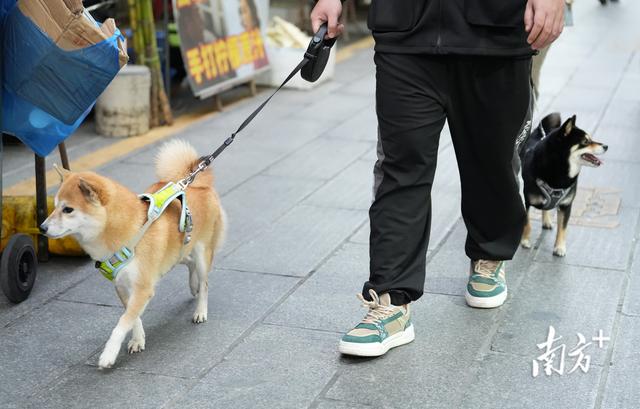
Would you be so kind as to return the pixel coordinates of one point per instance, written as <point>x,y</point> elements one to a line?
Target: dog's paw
<point>547,226</point>
<point>560,251</point>
<point>135,346</point>
<point>106,360</point>
<point>525,243</point>
<point>199,317</point>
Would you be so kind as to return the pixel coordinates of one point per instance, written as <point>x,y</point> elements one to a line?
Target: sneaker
<point>487,286</point>
<point>384,327</point>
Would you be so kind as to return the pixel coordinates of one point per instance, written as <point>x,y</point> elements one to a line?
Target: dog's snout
<point>605,147</point>
<point>43,228</point>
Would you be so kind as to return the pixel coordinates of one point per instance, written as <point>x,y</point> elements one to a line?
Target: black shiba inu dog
<point>551,161</point>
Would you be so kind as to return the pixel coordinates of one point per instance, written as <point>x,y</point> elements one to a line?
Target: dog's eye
<point>67,209</point>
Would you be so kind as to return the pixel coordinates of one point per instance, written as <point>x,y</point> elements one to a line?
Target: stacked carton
<point>56,61</point>
<point>69,26</point>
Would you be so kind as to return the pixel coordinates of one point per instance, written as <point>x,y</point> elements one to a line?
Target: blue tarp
<point>47,92</point>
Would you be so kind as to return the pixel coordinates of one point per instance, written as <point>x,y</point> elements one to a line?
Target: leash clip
<point>185,182</point>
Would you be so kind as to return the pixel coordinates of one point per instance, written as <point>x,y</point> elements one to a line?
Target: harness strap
<point>158,203</point>
<point>552,196</point>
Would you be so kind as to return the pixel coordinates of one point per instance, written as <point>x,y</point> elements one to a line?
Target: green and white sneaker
<point>487,286</point>
<point>384,327</point>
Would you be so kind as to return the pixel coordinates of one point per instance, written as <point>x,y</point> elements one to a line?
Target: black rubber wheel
<point>18,268</point>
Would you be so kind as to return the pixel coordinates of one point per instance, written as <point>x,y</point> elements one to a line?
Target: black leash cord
<point>207,161</point>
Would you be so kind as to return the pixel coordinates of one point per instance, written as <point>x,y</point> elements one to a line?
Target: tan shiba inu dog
<point>104,216</point>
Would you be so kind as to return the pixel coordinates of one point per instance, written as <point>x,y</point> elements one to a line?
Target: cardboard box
<point>67,24</point>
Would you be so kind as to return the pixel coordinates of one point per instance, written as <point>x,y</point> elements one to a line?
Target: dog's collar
<point>158,203</point>
<point>552,196</point>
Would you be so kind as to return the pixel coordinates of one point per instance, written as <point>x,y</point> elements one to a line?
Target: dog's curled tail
<point>176,159</point>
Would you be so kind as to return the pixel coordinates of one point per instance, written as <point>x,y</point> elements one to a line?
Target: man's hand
<point>543,20</point>
<point>328,11</point>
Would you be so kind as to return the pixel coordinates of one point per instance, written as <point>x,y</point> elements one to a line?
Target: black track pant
<point>486,101</point>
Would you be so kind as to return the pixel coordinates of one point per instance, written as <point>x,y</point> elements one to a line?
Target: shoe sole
<point>378,348</point>
<point>485,302</point>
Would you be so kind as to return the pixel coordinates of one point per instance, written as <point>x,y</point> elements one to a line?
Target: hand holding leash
<point>327,12</point>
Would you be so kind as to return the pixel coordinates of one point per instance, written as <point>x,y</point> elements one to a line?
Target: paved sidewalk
<point>296,186</point>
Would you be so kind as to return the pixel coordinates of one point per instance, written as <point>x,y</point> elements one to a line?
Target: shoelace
<point>377,312</point>
<point>485,268</point>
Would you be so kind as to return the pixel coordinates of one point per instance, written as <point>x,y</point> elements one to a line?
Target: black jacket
<point>461,27</point>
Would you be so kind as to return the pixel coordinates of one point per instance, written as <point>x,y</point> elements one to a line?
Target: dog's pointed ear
<point>62,172</point>
<point>89,191</point>
<point>568,125</point>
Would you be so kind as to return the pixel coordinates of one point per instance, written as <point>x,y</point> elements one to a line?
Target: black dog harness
<point>552,196</point>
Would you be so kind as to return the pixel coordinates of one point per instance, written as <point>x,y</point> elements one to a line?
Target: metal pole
<point>64,158</point>
<point>41,207</point>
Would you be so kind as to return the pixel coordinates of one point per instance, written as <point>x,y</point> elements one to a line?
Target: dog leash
<point>311,67</point>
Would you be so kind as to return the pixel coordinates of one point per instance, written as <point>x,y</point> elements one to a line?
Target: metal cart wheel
<point>18,268</point>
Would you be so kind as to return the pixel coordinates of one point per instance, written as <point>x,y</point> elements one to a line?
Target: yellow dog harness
<point>158,203</point>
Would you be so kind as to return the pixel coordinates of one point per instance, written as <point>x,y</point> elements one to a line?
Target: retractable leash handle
<point>318,53</point>
<point>311,67</point>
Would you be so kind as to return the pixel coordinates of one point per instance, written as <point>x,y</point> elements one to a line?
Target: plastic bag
<point>48,91</point>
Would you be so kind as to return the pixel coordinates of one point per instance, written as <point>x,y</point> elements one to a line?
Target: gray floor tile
<point>232,169</point>
<point>351,189</point>
<point>137,177</point>
<point>274,367</point>
<point>440,320</point>
<point>581,99</point>
<point>84,386</point>
<point>335,109</point>
<point>361,126</point>
<point>629,86</point>
<point>632,298</point>
<point>362,235</point>
<point>622,147</point>
<point>297,242</point>
<point>256,204</point>
<point>621,176</point>
<point>408,377</point>
<point>53,277</point>
<point>42,346</point>
<point>594,247</point>
<point>334,285</point>
<point>95,289</point>
<point>320,159</point>
<point>622,390</point>
<point>177,347</point>
<point>571,299</point>
<point>337,404</point>
<point>626,339</point>
<point>622,113</point>
<point>505,381</point>
<point>365,86</point>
